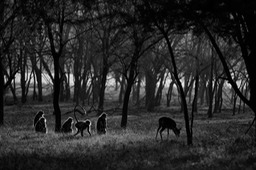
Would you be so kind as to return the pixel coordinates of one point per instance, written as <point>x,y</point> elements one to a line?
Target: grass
<point>219,143</point>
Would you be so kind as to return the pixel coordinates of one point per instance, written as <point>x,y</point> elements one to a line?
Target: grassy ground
<point>219,143</point>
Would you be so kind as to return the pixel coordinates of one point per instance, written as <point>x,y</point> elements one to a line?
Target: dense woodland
<point>199,52</point>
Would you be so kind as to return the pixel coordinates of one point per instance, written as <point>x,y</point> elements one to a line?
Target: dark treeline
<point>198,47</point>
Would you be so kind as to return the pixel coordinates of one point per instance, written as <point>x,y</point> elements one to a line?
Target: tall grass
<point>218,144</point>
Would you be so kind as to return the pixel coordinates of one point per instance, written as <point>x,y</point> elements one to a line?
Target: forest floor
<point>218,143</point>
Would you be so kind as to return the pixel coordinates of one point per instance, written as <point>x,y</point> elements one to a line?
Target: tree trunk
<point>246,95</point>
<point>2,11</point>
<point>117,79</point>
<point>126,103</point>
<point>56,87</point>
<point>121,90</point>
<point>210,90</point>
<point>23,76</point>
<point>37,77</point>
<point>194,103</point>
<point>77,81</point>
<point>67,86</point>
<point>190,93</point>
<point>39,82</point>
<point>86,90</point>
<point>96,88</point>
<point>13,90</point>
<point>169,94</point>
<point>182,94</point>
<point>34,86</point>
<point>202,89</point>
<point>1,94</point>
<point>103,86</point>
<point>234,104</point>
<point>130,82</point>
<point>134,93</point>
<point>158,97</point>
<point>62,74</point>
<point>150,90</point>
<point>218,97</point>
<point>56,80</point>
<point>138,91</point>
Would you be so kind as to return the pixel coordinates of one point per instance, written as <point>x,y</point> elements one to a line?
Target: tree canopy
<point>153,41</point>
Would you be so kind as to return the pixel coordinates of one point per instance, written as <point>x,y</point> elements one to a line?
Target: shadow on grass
<point>215,147</point>
<point>106,152</point>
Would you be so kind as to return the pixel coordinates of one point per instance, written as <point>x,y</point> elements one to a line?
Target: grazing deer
<point>166,122</point>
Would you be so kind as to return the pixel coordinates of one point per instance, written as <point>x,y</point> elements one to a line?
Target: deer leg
<point>161,132</point>
<point>157,131</point>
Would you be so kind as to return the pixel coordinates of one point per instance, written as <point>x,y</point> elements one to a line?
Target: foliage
<point>98,41</point>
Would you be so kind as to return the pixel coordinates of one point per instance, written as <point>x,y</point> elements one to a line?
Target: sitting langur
<point>67,125</point>
<point>41,125</point>
<point>102,124</point>
<point>39,114</point>
<point>82,125</point>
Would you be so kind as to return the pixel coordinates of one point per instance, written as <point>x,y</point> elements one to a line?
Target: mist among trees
<point>119,56</point>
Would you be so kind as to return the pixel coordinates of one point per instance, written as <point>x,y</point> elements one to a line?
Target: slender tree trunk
<point>246,95</point>
<point>158,97</point>
<point>85,90</point>
<point>39,82</point>
<point>182,94</point>
<point>190,93</point>
<point>210,99</point>
<point>218,97</point>
<point>34,86</point>
<point>117,79</point>
<point>103,86</point>
<point>37,77</point>
<point>126,104</point>
<point>202,89</point>
<point>169,94</point>
<point>56,87</point>
<point>67,86</point>
<point>1,94</point>
<point>23,76</point>
<point>234,104</point>
<point>130,82</point>
<point>138,91</point>
<point>77,81</point>
<point>122,86</point>
<point>2,11</point>
<point>13,90</point>
<point>150,90</point>
<point>62,74</point>
<point>134,92</point>
<point>194,103</point>
<point>210,91</point>
<point>56,80</point>
<point>96,88</point>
